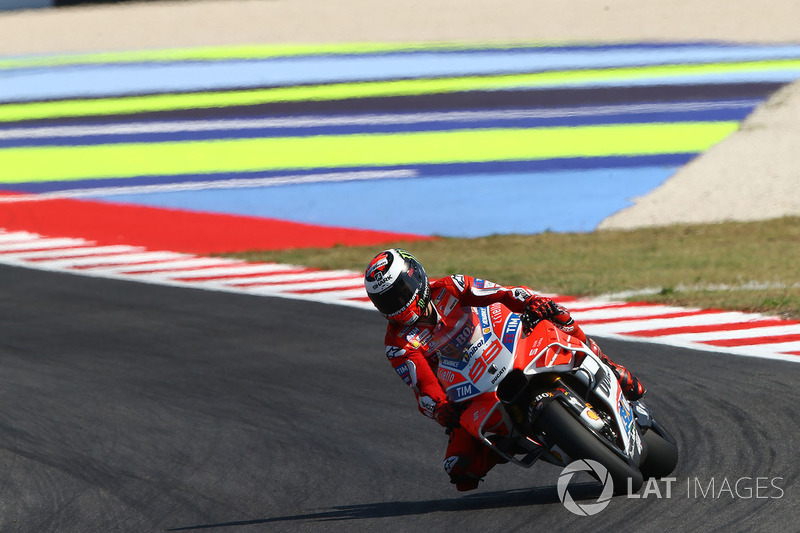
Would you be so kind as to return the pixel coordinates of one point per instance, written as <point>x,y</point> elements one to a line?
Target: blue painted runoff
<point>453,206</point>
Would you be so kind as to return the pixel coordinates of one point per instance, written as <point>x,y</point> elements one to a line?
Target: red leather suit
<point>415,351</point>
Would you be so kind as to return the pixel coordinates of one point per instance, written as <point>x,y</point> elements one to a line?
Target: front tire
<point>561,428</point>
<point>662,455</point>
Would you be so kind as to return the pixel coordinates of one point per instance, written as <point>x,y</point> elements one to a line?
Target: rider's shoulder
<point>459,282</point>
<point>404,340</point>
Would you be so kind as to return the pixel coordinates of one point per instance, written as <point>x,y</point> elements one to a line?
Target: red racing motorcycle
<point>541,394</point>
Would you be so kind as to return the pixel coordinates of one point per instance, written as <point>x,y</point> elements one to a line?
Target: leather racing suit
<point>416,351</point>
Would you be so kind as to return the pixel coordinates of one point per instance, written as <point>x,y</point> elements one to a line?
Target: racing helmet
<point>398,286</point>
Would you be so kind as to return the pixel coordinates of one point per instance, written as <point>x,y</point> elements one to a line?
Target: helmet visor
<point>398,297</point>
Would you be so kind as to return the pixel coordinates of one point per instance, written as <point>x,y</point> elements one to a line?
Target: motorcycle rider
<point>426,319</point>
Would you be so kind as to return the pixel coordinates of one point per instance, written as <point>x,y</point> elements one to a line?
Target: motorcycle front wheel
<point>562,428</point>
<point>661,453</point>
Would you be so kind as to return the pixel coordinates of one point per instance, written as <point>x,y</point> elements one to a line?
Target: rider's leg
<point>467,460</point>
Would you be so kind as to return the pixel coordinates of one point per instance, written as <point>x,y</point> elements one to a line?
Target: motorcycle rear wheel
<point>578,442</point>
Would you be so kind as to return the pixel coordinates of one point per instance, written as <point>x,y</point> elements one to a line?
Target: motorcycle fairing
<point>497,346</point>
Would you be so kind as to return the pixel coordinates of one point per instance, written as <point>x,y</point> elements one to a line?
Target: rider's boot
<point>632,389</point>
<point>460,475</point>
<point>466,472</point>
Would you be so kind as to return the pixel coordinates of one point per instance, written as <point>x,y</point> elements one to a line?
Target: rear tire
<point>561,428</point>
<point>662,455</point>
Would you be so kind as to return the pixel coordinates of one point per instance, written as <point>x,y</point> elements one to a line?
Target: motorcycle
<point>541,394</point>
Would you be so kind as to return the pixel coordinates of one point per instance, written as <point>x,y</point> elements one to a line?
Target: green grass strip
<point>339,91</point>
<point>742,266</point>
<point>333,151</point>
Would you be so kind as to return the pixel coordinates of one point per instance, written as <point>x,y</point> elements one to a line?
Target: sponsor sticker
<point>403,372</point>
<point>510,331</point>
<point>625,413</point>
<point>393,352</point>
<point>459,392</point>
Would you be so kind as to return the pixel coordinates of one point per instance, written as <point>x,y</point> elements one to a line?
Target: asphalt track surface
<point>131,407</point>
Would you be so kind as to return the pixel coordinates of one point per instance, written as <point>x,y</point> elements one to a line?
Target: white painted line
<point>18,236</point>
<point>777,331</point>
<point>701,319</point>
<point>626,312</point>
<point>62,253</point>
<point>122,259</point>
<point>780,347</point>
<point>181,263</point>
<point>277,279</point>
<point>178,126</point>
<point>756,351</point>
<point>297,288</point>
<point>237,183</point>
<point>334,297</point>
<point>230,269</point>
<point>35,244</point>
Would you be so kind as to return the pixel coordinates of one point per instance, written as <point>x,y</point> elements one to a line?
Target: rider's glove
<point>561,317</point>
<point>448,414</point>
<point>537,308</point>
<point>540,307</point>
